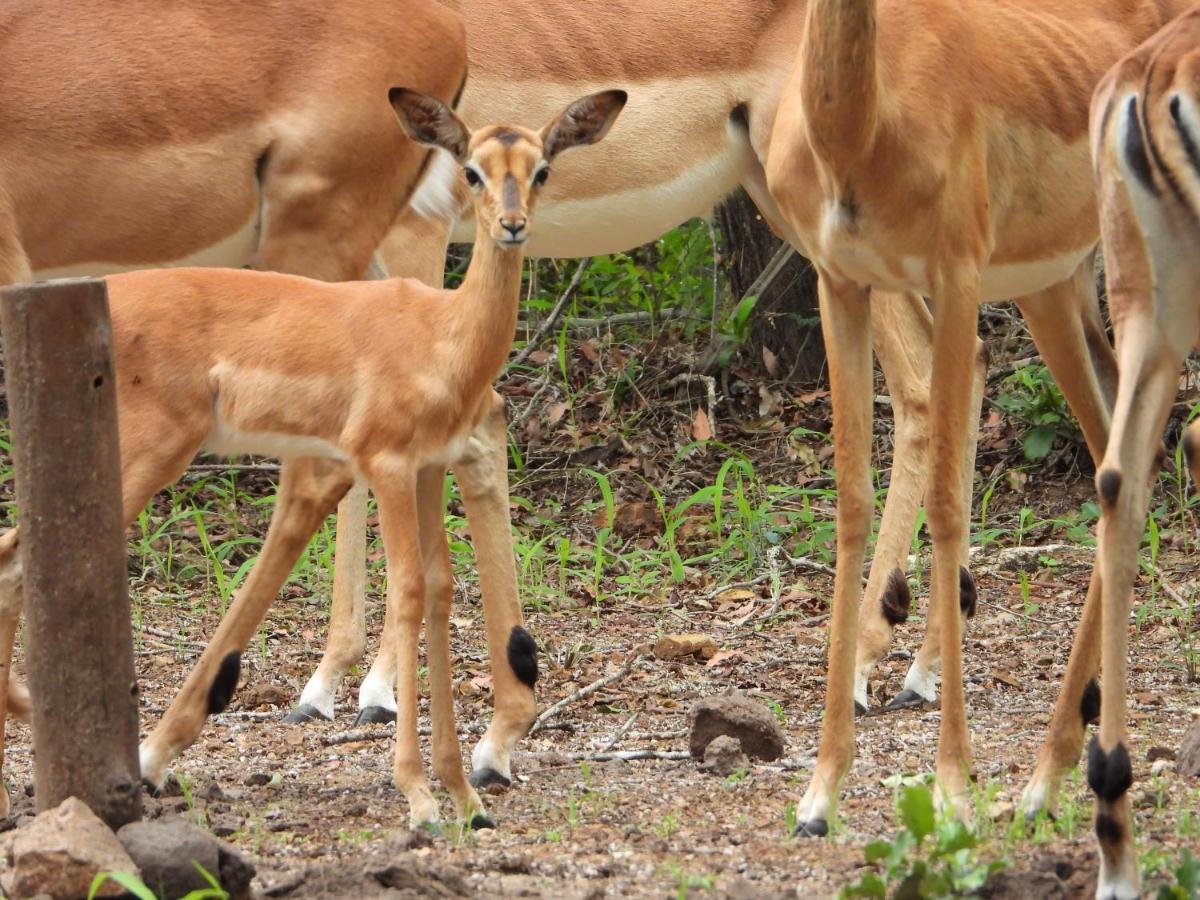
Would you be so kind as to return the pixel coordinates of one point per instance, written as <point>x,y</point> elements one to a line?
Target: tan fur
<point>134,133</point>
<point>928,145</point>
<point>386,380</point>
<point>1145,123</point>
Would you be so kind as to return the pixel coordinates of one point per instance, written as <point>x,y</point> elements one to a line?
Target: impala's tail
<point>840,82</point>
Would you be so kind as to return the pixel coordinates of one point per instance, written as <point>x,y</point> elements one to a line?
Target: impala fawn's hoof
<point>305,712</point>
<point>488,777</point>
<point>859,709</point>
<point>375,715</point>
<point>480,822</point>
<point>812,828</point>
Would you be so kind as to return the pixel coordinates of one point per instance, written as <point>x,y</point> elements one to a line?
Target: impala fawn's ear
<point>583,122</point>
<point>429,121</point>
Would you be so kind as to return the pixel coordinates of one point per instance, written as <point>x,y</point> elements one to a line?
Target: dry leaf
<point>723,656</point>
<point>556,412</point>
<point>701,427</point>
<point>770,362</point>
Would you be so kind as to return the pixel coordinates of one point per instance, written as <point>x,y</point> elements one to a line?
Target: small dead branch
<point>233,467</point>
<point>552,711</point>
<point>176,641</point>
<point>548,324</point>
<point>583,323</point>
<point>710,387</point>
<point>619,733</point>
<point>665,755</point>
<point>765,279</point>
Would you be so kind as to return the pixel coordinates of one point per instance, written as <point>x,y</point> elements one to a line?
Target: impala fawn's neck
<point>840,81</point>
<point>485,314</point>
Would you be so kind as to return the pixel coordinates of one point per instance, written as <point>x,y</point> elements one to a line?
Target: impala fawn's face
<point>506,165</point>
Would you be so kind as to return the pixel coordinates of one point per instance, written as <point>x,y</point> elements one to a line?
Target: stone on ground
<point>723,756</point>
<point>168,852</point>
<point>59,853</point>
<point>738,716</point>
<point>673,646</point>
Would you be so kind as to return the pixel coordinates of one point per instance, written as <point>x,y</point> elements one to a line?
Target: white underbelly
<point>225,440</point>
<point>233,252</point>
<point>1011,280</point>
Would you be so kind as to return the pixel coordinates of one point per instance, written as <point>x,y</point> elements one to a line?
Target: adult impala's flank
<point>1146,147</point>
<point>381,380</point>
<point>940,148</point>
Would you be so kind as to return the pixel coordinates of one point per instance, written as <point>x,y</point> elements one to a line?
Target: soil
<point>314,808</point>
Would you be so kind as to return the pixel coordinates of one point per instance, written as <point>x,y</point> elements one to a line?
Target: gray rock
<point>168,851</point>
<point>723,756</point>
<point>1187,761</point>
<point>236,872</point>
<point>59,853</point>
<point>738,716</point>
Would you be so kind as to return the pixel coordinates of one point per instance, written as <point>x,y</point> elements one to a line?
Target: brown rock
<point>738,716</point>
<point>723,756</point>
<point>1187,762</point>
<point>673,646</point>
<point>168,852</point>
<point>59,853</point>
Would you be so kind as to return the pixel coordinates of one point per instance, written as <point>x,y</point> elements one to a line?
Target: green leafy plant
<point>930,857</point>
<point>1030,395</point>
<point>1187,880</point>
<point>138,888</point>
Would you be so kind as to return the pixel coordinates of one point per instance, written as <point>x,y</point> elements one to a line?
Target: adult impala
<point>941,148</point>
<point>705,80</point>
<point>1146,146</point>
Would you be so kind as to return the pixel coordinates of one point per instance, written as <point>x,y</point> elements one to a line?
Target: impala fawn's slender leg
<point>308,490</point>
<point>395,485</point>
<point>439,594</point>
<point>347,614</point>
<point>955,353</point>
<point>414,248</point>
<point>1066,326</point>
<point>483,479</point>
<point>846,325</point>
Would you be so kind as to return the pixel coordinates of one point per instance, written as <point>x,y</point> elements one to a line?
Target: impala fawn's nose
<point>514,226</point>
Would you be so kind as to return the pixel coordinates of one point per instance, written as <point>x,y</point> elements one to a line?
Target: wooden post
<point>78,642</point>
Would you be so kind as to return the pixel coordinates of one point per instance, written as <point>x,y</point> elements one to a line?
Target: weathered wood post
<point>78,643</point>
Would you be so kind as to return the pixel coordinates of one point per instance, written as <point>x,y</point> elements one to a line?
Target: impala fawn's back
<point>378,379</point>
<point>1146,148</point>
<point>940,147</point>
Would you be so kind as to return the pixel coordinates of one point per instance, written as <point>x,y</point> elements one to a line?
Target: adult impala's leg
<point>482,475</point>
<point>439,593</point>
<point>955,356</point>
<point>1066,326</point>
<point>11,601</point>
<point>846,324</point>
<point>395,485</point>
<point>308,491</point>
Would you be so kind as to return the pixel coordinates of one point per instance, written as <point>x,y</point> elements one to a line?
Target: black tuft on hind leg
<point>897,599</point>
<point>522,656</point>
<point>1089,703</point>
<point>968,596</point>
<point>1110,774</point>
<point>220,692</point>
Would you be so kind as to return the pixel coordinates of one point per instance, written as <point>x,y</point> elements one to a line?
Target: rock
<point>1156,754</point>
<point>236,872</point>
<point>673,646</point>
<point>59,853</point>
<point>168,851</point>
<point>738,716</point>
<point>1187,761</point>
<point>723,756</point>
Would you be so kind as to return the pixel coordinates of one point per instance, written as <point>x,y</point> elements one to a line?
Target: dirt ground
<point>314,808</point>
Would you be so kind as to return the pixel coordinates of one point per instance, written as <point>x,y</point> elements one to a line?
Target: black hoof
<point>859,709</point>
<point>812,828</point>
<point>1032,816</point>
<point>479,822</point>
<point>151,789</point>
<point>906,699</point>
<point>305,712</point>
<point>374,715</point>
<point>483,778</point>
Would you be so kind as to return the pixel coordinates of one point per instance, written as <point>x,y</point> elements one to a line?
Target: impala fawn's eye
<point>542,174</point>
<point>473,178</point>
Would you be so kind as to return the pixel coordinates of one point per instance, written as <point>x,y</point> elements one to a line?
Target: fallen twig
<point>552,711</point>
<point>619,733</point>
<point>710,386</point>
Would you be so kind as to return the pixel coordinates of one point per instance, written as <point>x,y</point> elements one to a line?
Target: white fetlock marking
<point>1117,885</point>
<point>814,805</point>
<point>319,694</point>
<point>374,691</point>
<point>487,756</point>
<point>152,766</point>
<point>861,679</point>
<point>423,810</point>
<point>921,681</point>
